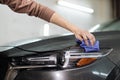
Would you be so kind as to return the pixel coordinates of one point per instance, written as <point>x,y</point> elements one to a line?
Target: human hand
<point>79,33</point>
<point>84,35</point>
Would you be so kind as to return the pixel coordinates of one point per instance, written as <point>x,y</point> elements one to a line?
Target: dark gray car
<point>44,59</point>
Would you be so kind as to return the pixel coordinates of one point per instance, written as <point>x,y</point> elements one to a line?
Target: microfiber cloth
<point>94,48</point>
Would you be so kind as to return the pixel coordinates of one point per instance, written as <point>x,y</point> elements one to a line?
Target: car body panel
<point>100,69</point>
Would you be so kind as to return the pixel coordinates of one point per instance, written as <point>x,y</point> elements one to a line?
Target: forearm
<point>60,21</point>
<point>79,33</point>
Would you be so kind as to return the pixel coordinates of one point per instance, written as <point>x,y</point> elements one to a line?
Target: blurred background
<point>15,26</point>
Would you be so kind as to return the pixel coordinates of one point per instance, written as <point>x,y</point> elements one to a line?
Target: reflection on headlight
<point>99,73</point>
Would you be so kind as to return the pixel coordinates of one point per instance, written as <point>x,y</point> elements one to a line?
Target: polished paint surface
<point>100,69</point>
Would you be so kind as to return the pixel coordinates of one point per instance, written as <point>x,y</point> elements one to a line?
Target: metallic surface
<point>101,69</point>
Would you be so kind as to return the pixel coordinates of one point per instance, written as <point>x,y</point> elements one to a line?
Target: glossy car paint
<point>105,68</point>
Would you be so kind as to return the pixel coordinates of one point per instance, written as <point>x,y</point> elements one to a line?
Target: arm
<point>79,33</point>
<point>32,8</point>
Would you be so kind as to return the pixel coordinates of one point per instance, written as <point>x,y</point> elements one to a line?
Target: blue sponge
<point>94,48</point>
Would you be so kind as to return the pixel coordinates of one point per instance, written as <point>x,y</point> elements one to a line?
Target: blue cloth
<point>94,48</point>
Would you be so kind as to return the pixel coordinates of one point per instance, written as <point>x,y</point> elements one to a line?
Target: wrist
<point>74,28</point>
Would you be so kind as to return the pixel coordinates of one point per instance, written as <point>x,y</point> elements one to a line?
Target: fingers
<point>79,37</point>
<point>85,35</point>
<point>91,38</point>
<point>85,38</point>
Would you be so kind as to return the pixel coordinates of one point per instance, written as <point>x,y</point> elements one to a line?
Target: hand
<point>79,33</point>
<point>84,35</point>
